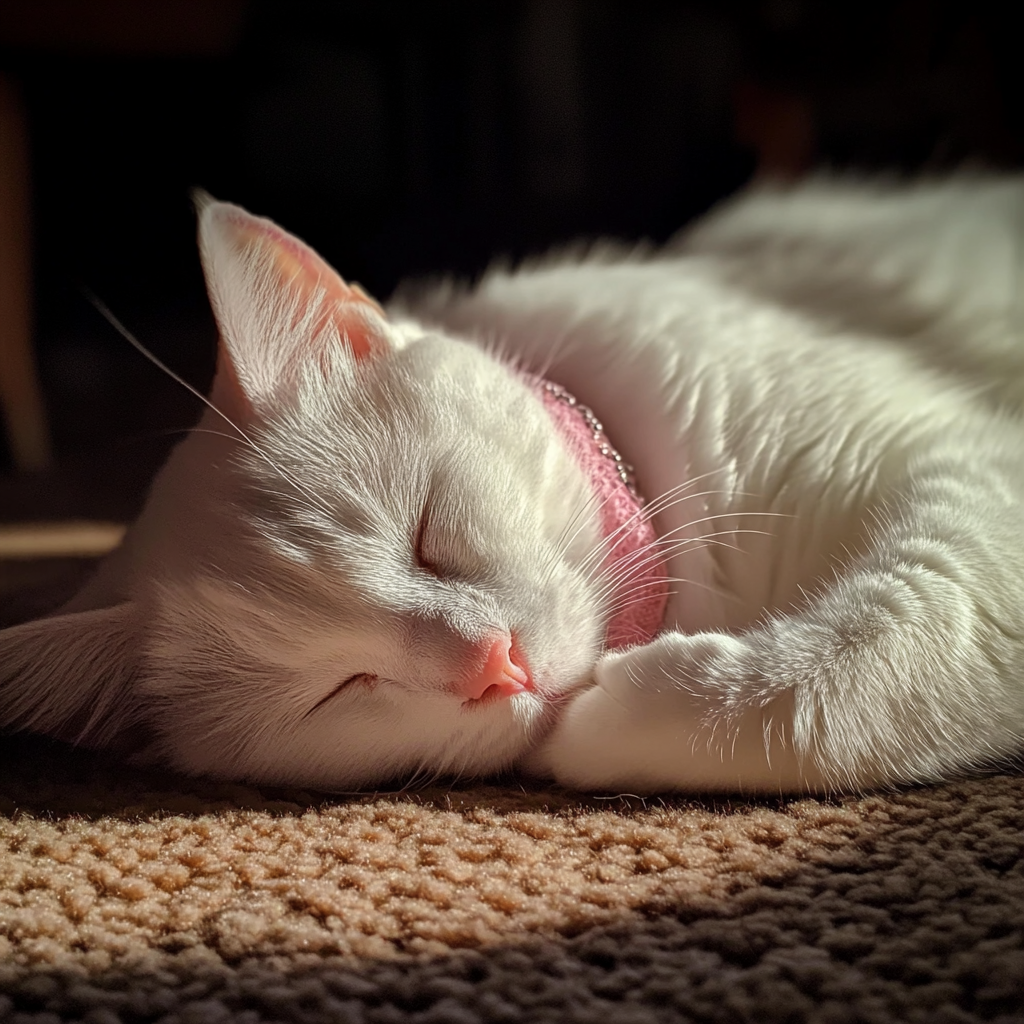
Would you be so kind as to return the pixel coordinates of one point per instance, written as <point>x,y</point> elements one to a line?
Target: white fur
<point>826,385</point>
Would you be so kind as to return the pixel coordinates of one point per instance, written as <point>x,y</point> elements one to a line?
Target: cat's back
<point>935,268</point>
<point>921,284</point>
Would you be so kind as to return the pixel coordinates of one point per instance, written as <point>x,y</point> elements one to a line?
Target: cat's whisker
<point>659,550</point>
<point>295,505</point>
<point>205,430</point>
<point>632,571</point>
<point>586,562</point>
<point>665,550</point>
<point>612,587</point>
<point>556,350</point>
<point>642,589</point>
<point>618,606</point>
<point>667,500</point>
<point>655,505</point>
<point>604,501</point>
<point>561,544</point>
<point>670,499</point>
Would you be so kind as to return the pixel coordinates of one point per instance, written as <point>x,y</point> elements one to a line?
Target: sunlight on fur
<point>386,554</point>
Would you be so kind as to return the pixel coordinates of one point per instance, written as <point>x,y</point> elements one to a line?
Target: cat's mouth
<point>492,695</point>
<point>552,706</point>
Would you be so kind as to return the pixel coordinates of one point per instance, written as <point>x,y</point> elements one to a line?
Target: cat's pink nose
<point>503,673</point>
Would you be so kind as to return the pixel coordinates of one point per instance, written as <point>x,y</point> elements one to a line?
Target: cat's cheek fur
<point>232,677</point>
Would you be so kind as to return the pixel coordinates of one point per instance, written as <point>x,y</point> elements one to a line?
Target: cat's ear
<point>70,676</point>
<point>280,308</point>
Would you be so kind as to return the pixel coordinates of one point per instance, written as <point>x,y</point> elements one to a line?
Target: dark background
<point>402,137</point>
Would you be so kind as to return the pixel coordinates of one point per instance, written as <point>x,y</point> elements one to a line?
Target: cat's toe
<point>677,666</point>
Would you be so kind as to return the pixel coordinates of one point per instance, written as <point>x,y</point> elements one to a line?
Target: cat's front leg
<point>907,666</point>
<point>682,712</point>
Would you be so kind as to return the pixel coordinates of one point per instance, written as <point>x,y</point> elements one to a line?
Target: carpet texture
<point>129,896</point>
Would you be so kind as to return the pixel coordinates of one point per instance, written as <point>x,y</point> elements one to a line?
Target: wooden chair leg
<point>21,400</point>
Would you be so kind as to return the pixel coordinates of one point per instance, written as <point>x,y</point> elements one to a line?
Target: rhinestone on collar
<point>601,442</point>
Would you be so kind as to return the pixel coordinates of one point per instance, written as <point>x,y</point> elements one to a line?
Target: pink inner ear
<point>302,272</point>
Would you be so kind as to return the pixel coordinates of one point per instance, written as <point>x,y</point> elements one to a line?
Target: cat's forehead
<point>433,412</point>
<point>434,390</point>
<point>441,364</point>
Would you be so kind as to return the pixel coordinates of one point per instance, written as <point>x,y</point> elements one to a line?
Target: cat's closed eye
<point>359,678</point>
<point>419,548</point>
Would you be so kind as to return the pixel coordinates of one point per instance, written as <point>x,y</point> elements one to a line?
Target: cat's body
<point>826,386</point>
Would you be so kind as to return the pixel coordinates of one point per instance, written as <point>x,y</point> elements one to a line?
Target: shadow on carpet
<point>129,896</point>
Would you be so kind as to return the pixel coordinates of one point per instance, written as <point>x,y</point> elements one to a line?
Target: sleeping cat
<point>400,545</point>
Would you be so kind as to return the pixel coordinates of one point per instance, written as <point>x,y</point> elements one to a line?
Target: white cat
<point>396,560</point>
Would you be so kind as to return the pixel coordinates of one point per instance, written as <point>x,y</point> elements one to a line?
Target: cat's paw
<point>650,707</point>
<point>676,667</point>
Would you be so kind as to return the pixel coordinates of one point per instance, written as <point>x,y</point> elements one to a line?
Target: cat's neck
<point>633,557</point>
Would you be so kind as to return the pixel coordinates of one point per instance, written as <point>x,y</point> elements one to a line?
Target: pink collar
<point>638,608</point>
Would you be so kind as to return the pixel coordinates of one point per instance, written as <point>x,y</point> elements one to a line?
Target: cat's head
<point>387,564</point>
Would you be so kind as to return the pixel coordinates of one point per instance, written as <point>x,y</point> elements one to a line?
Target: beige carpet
<point>147,897</point>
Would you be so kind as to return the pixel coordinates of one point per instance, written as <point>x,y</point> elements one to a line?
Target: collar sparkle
<point>623,469</point>
<point>633,558</point>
